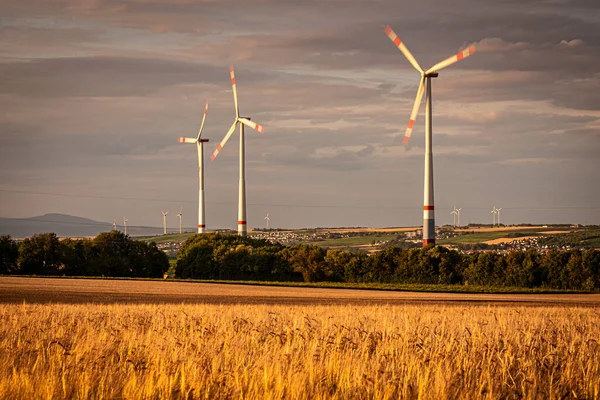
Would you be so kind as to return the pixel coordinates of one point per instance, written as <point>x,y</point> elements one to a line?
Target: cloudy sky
<point>95,93</point>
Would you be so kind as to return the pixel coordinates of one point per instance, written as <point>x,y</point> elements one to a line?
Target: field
<point>355,241</point>
<point>75,338</point>
<point>312,351</point>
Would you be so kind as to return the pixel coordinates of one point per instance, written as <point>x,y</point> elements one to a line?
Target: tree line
<point>108,254</point>
<point>230,257</point>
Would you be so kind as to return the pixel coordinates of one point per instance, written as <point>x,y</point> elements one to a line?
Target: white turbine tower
<point>428,203</point>
<point>125,224</point>
<point>180,215</point>
<point>243,121</point>
<point>267,219</point>
<point>199,144</point>
<point>498,211</point>
<point>494,212</point>
<point>114,224</point>
<point>458,215</point>
<point>455,213</point>
<point>164,222</point>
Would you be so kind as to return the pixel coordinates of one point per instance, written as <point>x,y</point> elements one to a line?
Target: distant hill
<point>65,226</point>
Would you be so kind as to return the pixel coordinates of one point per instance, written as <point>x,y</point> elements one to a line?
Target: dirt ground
<point>62,290</point>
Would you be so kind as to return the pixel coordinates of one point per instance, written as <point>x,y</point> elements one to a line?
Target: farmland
<point>297,351</point>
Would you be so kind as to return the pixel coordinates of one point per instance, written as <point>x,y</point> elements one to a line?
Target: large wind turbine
<point>498,211</point>
<point>458,215</point>
<point>199,144</point>
<point>267,219</point>
<point>426,75</point>
<point>494,212</point>
<point>125,225</point>
<point>243,121</point>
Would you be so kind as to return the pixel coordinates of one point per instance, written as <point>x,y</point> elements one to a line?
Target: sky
<point>95,93</point>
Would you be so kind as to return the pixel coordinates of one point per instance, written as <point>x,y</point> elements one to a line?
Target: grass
<point>353,241</point>
<point>176,237</point>
<point>298,352</point>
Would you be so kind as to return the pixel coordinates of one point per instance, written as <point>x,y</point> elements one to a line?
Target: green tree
<point>9,255</point>
<point>308,260</point>
<point>41,255</point>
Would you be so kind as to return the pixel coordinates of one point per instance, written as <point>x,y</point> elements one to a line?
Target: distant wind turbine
<point>180,215</point>
<point>426,75</point>
<point>494,212</point>
<point>114,224</point>
<point>498,211</point>
<point>164,222</point>
<point>242,121</point>
<point>455,213</point>
<point>125,224</point>
<point>267,219</point>
<point>458,215</point>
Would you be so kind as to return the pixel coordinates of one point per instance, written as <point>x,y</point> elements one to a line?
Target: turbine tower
<point>428,203</point>
<point>164,222</point>
<point>458,215</point>
<point>199,145</point>
<point>267,219</point>
<point>114,224</point>
<point>242,121</point>
<point>180,215</point>
<point>498,211</point>
<point>494,212</point>
<point>455,213</point>
<point>125,224</point>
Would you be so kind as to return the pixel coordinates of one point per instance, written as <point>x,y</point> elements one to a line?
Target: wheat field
<point>298,352</point>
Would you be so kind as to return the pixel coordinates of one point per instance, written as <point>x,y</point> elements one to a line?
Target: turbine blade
<point>225,139</point>
<point>451,60</point>
<point>233,85</point>
<point>187,140</point>
<point>203,118</point>
<point>252,125</point>
<point>394,38</point>
<point>415,112</point>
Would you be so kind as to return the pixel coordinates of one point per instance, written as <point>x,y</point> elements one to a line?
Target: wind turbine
<point>426,75</point>
<point>180,215</point>
<point>199,145</point>
<point>243,121</point>
<point>498,211</point>
<point>164,222</point>
<point>114,224</point>
<point>494,212</point>
<point>125,224</point>
<point>267,219</point>
<point>455,213</point>
<point>458,215</point>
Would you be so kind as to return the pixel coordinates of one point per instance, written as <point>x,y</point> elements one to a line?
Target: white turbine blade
<point>451,60</point>
<point>233,85</point>
<point>187,140</point>
<point>225,139</point>
<point>394,38</point>
<point>415,112</point>
<point>252,124</point>
<point>203,118</point>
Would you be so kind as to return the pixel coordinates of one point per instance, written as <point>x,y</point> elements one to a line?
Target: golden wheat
<point>304,352</point>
